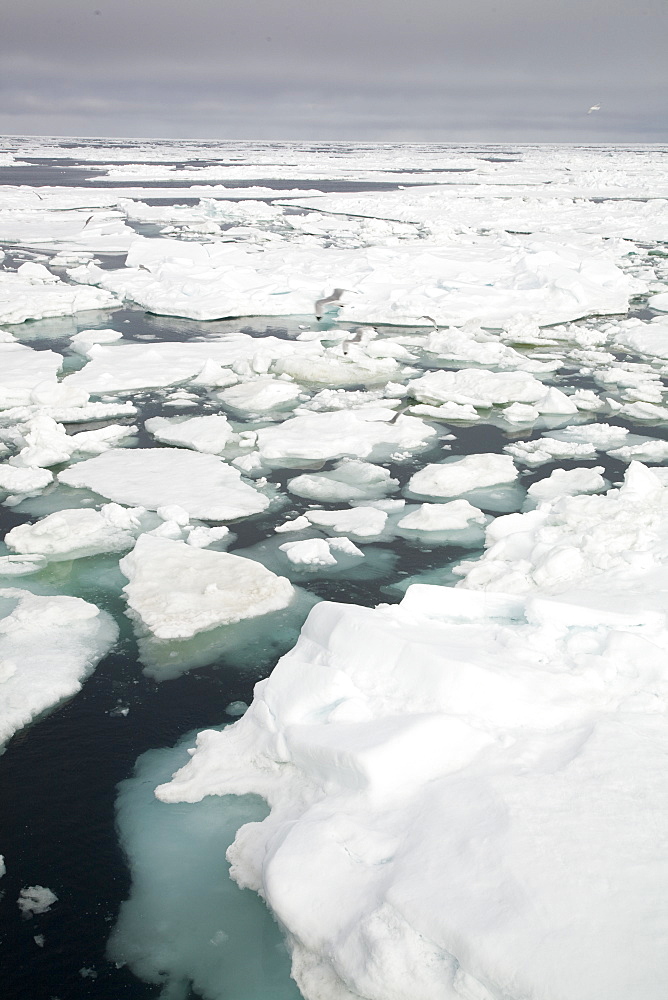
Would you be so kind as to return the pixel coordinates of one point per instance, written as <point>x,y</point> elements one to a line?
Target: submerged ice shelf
<point>463,790</point>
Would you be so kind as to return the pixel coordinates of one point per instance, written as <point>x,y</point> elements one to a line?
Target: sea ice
<point>322,552</point>
<point>22,370</point>
<point>177,590</point>
<point>450,278</point>
<point>208,434</point>
<point>477,387</point>
<point>334,369</point>
<point>35,899</point>
<point>188,924</point>
<point>84,340</point>
<point>425,765</point>
<point>374,434</point>
<point>614,546</point>
<point>361,524</point>
<point>549,449</point>
<point>126,366</point>
<point>453,523</point>
<point>455,476</point>
<point>48,646</point>
<point>659,301</point>
<point>566,482</point>
<point>203,485</point>
<point>29,295</point>
<point>350,480</point>
<point>261,395</point>
<point>24,481</point>
<point>73,534</point>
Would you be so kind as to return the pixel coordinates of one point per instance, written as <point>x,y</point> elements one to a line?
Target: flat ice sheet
<point>451,281</point>
<point>126,366</point>
<point>203,485</point>
<point>373,434</point>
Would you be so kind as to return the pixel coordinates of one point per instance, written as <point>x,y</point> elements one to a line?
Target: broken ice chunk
<point>260,395</point>
<point>35,899</point>
<point>73,534</point>
<point>177,590</point>
<point>455,476</point>
<point>207,434</point>
<point>349,480</point>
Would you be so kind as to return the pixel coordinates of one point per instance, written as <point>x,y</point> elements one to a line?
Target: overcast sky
<point>432,70</point>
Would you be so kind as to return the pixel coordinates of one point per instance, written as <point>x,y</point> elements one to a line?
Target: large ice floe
<point>466,791</point>
<point>458,796</point>
<point>463,279</point>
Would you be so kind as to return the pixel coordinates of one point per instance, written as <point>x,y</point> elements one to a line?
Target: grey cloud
<point>376,69</point>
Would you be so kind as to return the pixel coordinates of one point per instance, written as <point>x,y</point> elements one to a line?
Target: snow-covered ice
<point>350,480</point>
<point>202,484</point>
<point>31,294</point>
<point>208,434</point>
<point>374,434</point>
<point>177,590</point>
<point>458,475</point>
<point>453,279</point>
<point>453,784</point>
<point>71,534</point>
<point>48,646</point>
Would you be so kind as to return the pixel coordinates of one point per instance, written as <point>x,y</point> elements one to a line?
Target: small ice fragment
<point>299,524</point>
<point>236,708</point>
<point>35,899</point>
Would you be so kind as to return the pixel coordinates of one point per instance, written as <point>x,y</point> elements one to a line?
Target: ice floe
<point>613,546</point>
<point>177,590</point>
<point>35,294</point>
<point>424,766</point>
<point>453,784</point>
<point>451,281</point>
<point>456,476</point>
<point>206,487</point>
<point>72,534</point>
<point>350,480</point>
<point>48,646</point>
<point>209,434</point>
<point>35,899</point>
<point>375,434</point>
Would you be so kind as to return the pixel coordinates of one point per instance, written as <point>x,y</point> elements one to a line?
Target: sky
<point>361,70</point>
